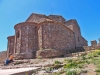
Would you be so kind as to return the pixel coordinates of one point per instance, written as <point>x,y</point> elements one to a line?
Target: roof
<point>55,22</point>
<point>35,14</point>
<point>25,23</point>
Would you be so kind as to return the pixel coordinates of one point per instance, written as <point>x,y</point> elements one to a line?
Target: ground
<point>86,63</point>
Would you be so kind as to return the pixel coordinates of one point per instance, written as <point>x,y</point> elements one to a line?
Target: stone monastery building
<point>45,36</point>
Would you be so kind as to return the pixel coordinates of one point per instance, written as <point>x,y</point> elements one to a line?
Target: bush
<point>49,69</point>
<point>84,71</point>
<point>73,71</point>
<point>39,57</point>
<point>65,60</point>
<point>71,65</point>
<point>97,52</point>
<point>70,60</point>
<point>89,56</point>
<point>83,57</point>
<point>80,61</point>
<point>57,62</point>
<point>97,70</point>
<point>70,73</point>
<point>94,53</point>
<point>80,66</point>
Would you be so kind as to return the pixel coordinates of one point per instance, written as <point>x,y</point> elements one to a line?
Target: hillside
<point>81,63</point>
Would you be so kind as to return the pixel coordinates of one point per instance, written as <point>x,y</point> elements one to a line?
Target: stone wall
<point>40,32</point>
<point>93,43</point>
<point>37,18</point>
<point>26,39</point>
<point>76,29</point>
<point>83,41</point>
<point>73,25</point>
<point>57,18</point>
<point>49,53</point>
<point>55,36</point>
<point>3,56</point>
<point>79,49</point>
<point>87,48</point>
<point>10,48</point>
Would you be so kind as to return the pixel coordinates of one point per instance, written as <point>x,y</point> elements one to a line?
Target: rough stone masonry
<point>42,36</point>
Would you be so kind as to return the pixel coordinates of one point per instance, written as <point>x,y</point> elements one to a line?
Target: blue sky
<point>86,12</point>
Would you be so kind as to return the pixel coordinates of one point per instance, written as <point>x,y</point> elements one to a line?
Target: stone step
<point>18,71</point>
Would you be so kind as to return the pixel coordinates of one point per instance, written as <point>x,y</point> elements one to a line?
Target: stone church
<point>45,36</point>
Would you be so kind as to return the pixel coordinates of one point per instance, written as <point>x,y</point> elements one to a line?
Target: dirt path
<point>90,70</point>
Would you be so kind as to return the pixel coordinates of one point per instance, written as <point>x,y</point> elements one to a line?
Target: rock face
<point>40,32</point>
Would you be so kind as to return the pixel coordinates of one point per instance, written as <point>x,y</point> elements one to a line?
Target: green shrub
<point>80,66</point>
<point>97,52</point>
<point>48,69</point>
<point>73,71</point>
<point>58,73</point>
<point>91,55</point>
<point>86,61</point>
<point>79,61</point>
<point>70,73</point>
<point>98,65</point>
<point>61,71</point>
<point>39,57</point>
<point>83,54</point>
<point>97,73</point>
<point>97,70</point>
<point>83,57</point>
<point>94,54</point>
<point>71,65</point>
<point>65,60</point>
<point>70,60</point>
<point>57,62</point>
<point>84,71</point>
